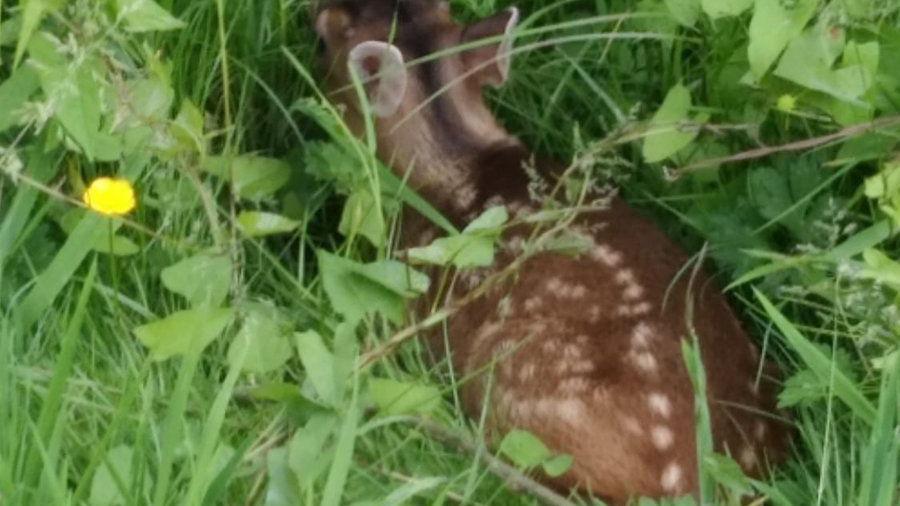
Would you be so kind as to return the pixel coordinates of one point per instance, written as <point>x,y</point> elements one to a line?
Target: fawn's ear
<point>332,23</point>
<point>493,60</point>
<point>380,66</point>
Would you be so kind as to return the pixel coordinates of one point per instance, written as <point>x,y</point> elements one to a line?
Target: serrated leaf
<point>772,27</point>
<point>666,137</point>
<point>146,16</point>
<point>204,279</point>
<point>524,449</point>
<point>184,332</point>
<point>723,8</point>
<point>402,398</point>
<point>255,177</point>
<point>258,224</point>
<point>264,332</point>
<point>187,129</point>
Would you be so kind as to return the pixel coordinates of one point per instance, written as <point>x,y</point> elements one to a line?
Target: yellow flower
<point>110,196</point>
<point>787,103</point>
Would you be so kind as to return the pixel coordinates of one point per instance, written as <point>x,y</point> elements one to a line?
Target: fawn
<point>596,369</point>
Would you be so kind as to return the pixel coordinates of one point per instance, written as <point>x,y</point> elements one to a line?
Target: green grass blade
<point>343,452</point>
<point>820,364</point>
<point>879,474</point>
<point>40,168</point>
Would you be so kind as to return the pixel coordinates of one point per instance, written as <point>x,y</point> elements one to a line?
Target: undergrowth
<point>241,337</point>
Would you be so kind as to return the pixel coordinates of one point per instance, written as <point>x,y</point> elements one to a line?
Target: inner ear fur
<point>382,65</point>
<point>492,60</point>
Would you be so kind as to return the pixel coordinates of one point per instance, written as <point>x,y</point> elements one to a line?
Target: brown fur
<point>583,352</point>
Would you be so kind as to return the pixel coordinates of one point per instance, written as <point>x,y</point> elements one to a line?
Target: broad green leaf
<point>474,247</point>
<point>115,470</point>
<point>282,488</point>
<point>558,465</point>
<point>33,12</point>
<point>881,268</point>
<point>809,59</point>
<point>361,216</point>
<point>820,364</point>
<point>265,333</point>
<point>187,129</point>
<point>400,398</point>
<point>308,455</point>
<point>356,289</point>
<point>723,8</point>
<point>184,332</point>
<point>255,177</point>
<point>204,279</point>
<point>770,191</point>
<point>666,137</point>
<point>524,449</point>
<point>727,473</point>
<point>318,361</point>
<point>149,101</point>
<point>686,12</point>
<point>146,16</point>
<point>14,91</point>
<point>772,27</point>
<point>258,224</point>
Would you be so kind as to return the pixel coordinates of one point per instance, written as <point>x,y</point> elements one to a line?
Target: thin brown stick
<point>814,142</point>
<point>515,478</point>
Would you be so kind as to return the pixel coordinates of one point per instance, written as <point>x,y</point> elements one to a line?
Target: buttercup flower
<point>110,196</point>
<point>786,103</point>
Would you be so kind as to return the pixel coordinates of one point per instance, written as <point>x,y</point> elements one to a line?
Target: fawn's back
<point>585,352</point>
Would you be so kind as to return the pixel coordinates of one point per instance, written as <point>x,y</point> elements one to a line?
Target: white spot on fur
<point>594,313</point>
<point>748,458</point>
<point>671,478</point>
<point>533,303</point>
<point>583,366</point>
<point>660,404</point>
<point>644,360</point>
<point>550,345</point>
<point>571,410</point>
<point>759,430</point>
<point>663,437</point>
<point>632,425</point>
<point>572,351</point>
<point>465,196</point>
<point>514,245</point>
<point>639,309</point>
<point>625,277</point>
<point>606,255</point>
<point>582,339</point>
<point>574,386</point>
<point>640,336</point>
<point>565,290</point>
<point>633,292</point>
<point>527,371</point>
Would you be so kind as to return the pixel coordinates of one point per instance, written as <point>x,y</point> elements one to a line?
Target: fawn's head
<point>430,115</point>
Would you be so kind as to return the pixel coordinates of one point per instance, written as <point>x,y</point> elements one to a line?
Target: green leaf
<point>474,247</point>
<point>727,473</point>
<point>723,8</point>
<point>264,332</point>
<point>255,177</point>
<point>282,488</point>
<point>770,191</point>
<point>772,27</point>
<point>356,289</point>
<point>318,361</point>
<point>184,332</point>
<point>686,12</point>
<point>14,92</point>
<point>204,279</point>
<point>401,398</point>
<point>558,465</point>
<point>113,473</point>
<point>308,455</point>
<point>186,130</point>
<point>666,138</point>
<point>258,224</point>
<point>881,268</point>
<point>361,216</point>
<point>146,16</point>
<point>33,12</point>
<point>524,449</point>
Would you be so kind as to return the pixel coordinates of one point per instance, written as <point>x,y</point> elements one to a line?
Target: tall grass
<point>88,417</point>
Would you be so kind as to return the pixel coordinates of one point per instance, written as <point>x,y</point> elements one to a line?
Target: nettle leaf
<point>356,289</point>
<point>204,279</point>
<point>115,469</point>
<point>184,332</point>
<point>255,177</point>
<point>474,247</point>
<point>723,8</point>
<point>258,224</point>
<point>265,334</point>
<point>686,12</point>
<point>402,398</point>
<point>146,16</point>
<point>772,27</point>
<point>770,191</point>
<point>362,216</point>
<point>666,137</point>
